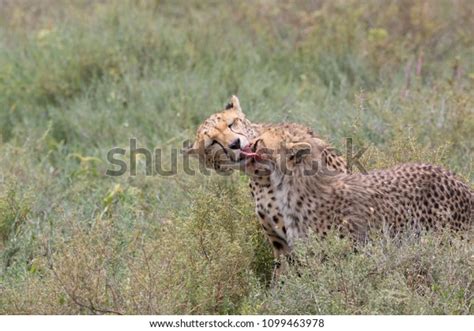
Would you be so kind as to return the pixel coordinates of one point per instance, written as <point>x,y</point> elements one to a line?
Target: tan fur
<point>219,131</point>
<point>408,196</point>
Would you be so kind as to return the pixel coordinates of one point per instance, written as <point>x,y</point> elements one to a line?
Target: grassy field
<point>79,78</point>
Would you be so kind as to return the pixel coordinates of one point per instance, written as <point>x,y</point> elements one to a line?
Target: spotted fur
<point>418,197</point>
<point>217,148</point>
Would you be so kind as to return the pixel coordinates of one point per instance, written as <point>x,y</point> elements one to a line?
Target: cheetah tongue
<point>247,152</point>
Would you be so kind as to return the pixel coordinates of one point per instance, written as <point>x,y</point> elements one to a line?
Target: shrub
<point>431,275</point>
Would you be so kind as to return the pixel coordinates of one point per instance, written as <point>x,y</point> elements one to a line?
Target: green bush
<point>13,212</point>
<point>407,276</point>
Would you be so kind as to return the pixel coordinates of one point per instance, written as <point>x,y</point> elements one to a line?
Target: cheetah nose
<point>235,144</point>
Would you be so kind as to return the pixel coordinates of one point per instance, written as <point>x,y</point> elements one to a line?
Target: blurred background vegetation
<point>80,77</point>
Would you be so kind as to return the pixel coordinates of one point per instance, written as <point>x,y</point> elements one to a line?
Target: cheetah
<point>218,143</point>
<point>408,196</point>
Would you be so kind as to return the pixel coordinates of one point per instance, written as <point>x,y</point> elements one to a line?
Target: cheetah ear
<point>233,104</point>
<point>297,151</point>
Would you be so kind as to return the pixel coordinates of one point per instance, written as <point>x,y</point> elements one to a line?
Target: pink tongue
<point>247,152</point>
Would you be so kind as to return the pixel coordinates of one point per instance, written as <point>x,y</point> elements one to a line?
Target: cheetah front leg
<point>280,250</point>
<point>278,267</point>
<point>272,224</point>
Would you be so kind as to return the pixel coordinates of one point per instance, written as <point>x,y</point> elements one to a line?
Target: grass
<point>77,79</point>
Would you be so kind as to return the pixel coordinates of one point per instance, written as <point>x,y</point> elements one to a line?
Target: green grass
<point>78,79</point>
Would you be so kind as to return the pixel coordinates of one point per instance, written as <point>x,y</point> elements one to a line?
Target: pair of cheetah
<point>218,145</point>
<point>298,183</point>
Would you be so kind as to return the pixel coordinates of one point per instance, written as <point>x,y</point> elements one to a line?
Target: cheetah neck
<point>299,198</point>
<point>256,130</point>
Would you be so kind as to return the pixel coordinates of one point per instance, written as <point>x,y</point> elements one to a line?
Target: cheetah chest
<point>268,212</point>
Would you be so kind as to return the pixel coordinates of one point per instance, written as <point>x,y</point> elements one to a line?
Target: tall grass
<point>77,79</point>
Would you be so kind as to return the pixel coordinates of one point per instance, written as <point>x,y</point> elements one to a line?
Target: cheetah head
<point>275,149</point>
<point>220,138</point>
